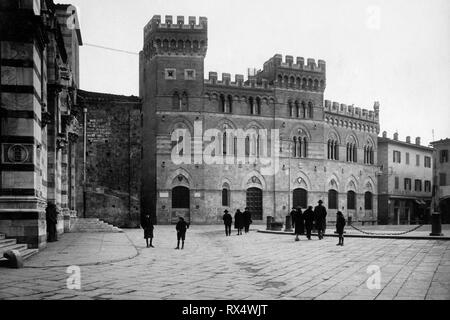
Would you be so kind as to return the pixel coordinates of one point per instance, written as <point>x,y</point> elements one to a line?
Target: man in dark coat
<point>308,216</point>
<point>239,221</point>
<point>228,221</point>
<point>247,217</point>
<point>320,215</point>
<point>181,227</point>
<point>340,224</point>
<point>52,220</point>
<point>299,224</point>
<point>292,214</point>
<point>147,225</point>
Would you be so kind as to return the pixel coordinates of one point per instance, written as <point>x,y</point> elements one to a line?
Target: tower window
<point>171,74</point>
<point>189,74</point>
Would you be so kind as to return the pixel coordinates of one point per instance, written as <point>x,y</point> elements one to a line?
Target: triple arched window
<point>368,154</point>
<point>300,148</point>
<point>352,152</point>
<point>333,149</point>
<point>301,110</point>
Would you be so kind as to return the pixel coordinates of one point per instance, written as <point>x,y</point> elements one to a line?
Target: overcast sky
<point>394,51</point>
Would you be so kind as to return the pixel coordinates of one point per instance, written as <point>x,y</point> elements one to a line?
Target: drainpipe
<point>84,159</point>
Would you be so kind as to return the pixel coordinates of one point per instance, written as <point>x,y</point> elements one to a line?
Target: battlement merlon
<point>277,62</point>
<point>352,111</point>
<point>179,24</point>
<point>239,82</point>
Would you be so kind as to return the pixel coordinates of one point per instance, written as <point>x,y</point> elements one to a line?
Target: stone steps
<point>92,225</point>
<point>11,244</point>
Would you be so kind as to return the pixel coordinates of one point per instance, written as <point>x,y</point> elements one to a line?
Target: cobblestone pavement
<point>253,266</point>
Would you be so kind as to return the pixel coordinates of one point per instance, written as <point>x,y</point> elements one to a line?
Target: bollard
<point>288,224</point>
<point>436,226</point>
<point>269,222</point>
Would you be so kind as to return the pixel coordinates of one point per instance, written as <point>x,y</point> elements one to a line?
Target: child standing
<point>340,224</point>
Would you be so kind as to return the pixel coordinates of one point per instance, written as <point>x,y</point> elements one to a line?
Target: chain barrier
<point>387,234</point>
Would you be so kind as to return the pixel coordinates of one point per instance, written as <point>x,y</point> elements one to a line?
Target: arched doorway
<point>300,198</point>
<point>181,204</point>
<point>255,203</point>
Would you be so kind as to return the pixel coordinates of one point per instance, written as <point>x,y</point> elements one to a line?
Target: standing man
<point>181,227</point>
<point>308,216</point>
<point>51,214</point>
<point>147,225</point>
<point>228,221</point>
<point>299,224</point>
<point>320,214</point>
<point>239,221</point>
<point>247,220</point>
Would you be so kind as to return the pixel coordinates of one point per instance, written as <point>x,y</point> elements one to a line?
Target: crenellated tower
<point>171,72</point>
<point>172,60</point>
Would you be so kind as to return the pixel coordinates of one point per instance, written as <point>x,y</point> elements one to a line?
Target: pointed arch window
<point>332,199</point>
<point>304,114</point>
<point>230,104</point>
<point>222,103</point>
<point>310,110</point>
<point>291,109</point>
<point>258,106</point>
<point>176,101</point>
<point>225,195</point>
<point>185,101</point>
<point>351,200</point>
<point>333,149</point>
<point>251,105</point>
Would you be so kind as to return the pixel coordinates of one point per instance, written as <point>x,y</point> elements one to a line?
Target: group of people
<point>302,221</point>
<point>305,221</point>
<point>148,226</point>
<point>242,220</point>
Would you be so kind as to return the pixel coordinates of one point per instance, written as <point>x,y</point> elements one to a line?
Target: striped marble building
<point>39,43</point>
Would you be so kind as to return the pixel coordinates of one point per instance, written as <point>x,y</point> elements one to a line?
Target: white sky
<point>400,57</point>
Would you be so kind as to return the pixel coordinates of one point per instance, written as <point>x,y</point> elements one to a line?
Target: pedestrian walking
<point>320,216</point>
<point>299,224</point>
<point>308,217</point>
<point>247,217</point>
<point>228,221</point>
<point>239,221</point>
<point>340,225</point>
<point>292,214</point>
<point>51,215</point>
<point>181,227</point>
<point>147,225</point>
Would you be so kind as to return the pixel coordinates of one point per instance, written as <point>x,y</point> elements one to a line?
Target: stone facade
<point>441,178</point>
<point>113,158</point>
<point>405,181</point>
<point>327,150</point>
<point>39,79</point>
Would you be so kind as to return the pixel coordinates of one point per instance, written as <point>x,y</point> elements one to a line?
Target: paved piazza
<point>253,266</point>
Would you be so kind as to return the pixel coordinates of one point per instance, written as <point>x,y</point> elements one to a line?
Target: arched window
<point>298,82</point>
<point>303,110</point>
<point>355,154</point>
<point>247,146</point>
<point>332,199</point>
<point>368,200</point>
<point>304,83</point>
<point>297,109</point>
<point>316,84</point>
<point>286,81</point>
<point>299,147</point>
<point>176,101</point>
<point>300,198</point>
<point>222,107</point>
<point>235,146</point>
<point>305,147</point>
<point>280,80</point>
<point>258,106</point>
<point>185,101</point>
<point>291,109</point>
<point>225,195</point>
<point>291,81</point>
<point>224,144</point>
<point>310,110</point>
<point>295,148</point>
<point>351,200</point>
<point>251,105</point>
<point>230,104</point>
<point>333,149</point>
<point>310,84</point>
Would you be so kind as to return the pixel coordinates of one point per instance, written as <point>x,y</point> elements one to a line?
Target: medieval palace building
<point>326,150</point>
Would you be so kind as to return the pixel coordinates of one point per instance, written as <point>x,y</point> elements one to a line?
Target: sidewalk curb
<point>364,236</point>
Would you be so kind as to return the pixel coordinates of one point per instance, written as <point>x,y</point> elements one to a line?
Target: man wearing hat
<point>320,215</point>
<point>228,221</point>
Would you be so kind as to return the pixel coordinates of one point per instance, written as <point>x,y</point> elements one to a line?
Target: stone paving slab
<point>253,266</point>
